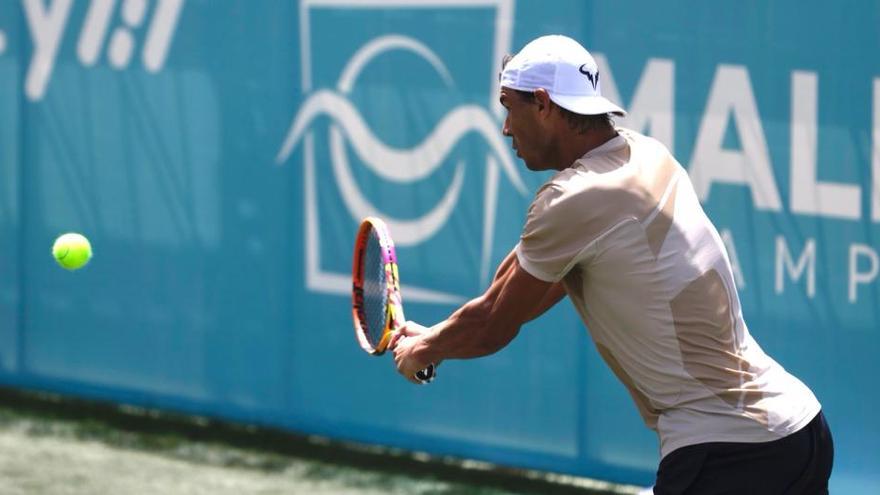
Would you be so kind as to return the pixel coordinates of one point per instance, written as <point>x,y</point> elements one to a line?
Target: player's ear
<point>542,98</point>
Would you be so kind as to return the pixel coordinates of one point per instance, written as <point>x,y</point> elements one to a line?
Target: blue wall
<point>220,154</point>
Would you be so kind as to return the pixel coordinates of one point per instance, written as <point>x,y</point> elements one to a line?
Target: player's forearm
<point>474,330</point>
<point>470,332</point>
<point>488,323</point>
<point>467,332</point>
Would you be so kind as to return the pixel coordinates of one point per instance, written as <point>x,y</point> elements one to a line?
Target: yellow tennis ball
<point>72,251</point>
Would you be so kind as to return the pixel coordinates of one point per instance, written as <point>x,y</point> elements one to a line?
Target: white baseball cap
<point>565,69</point>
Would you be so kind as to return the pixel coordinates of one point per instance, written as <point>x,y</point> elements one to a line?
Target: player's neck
<point>574,146</point>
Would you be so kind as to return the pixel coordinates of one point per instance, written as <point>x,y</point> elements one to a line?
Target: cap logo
<point>594,79</point>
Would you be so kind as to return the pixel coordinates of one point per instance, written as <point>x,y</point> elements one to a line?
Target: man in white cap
<point>619,229</point>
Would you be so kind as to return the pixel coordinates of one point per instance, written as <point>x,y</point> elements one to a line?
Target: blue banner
<point>219,156</point>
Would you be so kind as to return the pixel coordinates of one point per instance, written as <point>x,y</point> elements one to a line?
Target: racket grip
<point>426,375</point>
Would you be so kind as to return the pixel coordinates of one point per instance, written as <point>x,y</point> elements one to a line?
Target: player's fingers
<point>410,375</point>
<point>399,354</point>
<point>396,351</point>
<point>407,329</point>
<point>392,344</point>
<point>403,366</point>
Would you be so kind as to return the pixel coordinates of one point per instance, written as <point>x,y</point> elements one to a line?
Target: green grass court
<point>51,445</point>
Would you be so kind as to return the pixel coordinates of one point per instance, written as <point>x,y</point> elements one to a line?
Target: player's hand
<point>410,329</point>
<point>406,345</point>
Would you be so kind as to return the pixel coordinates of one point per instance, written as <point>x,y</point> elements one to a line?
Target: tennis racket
<point>377,307</point>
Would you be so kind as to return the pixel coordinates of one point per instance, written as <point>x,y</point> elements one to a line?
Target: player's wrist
<point>425,352</point>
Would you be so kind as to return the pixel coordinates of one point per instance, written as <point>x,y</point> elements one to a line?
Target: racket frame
<point>394,318</point>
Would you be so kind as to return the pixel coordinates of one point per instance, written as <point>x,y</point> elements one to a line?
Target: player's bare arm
<point>485,324</point>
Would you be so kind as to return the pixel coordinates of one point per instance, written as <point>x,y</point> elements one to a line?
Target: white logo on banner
<point>396,165</point>
<point>47,22</point>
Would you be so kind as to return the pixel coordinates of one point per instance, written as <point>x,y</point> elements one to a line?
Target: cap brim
<point>587,105</point>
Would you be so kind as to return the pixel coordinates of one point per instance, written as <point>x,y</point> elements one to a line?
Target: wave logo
<point>394,165</point>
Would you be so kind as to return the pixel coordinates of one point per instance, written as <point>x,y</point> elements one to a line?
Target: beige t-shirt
<point>647,271</point>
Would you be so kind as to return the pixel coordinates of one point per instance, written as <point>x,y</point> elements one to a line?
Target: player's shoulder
<point>563,184</point>
<point>641,143</point>
<point>573,192</point>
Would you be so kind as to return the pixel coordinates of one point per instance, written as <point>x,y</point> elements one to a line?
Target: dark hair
<point>504,61</point>
<point>585,123</point>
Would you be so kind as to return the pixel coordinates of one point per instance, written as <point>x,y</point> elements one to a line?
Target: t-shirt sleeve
<point>550,241</point>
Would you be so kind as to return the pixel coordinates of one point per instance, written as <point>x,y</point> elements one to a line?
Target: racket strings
<point>375,290</point>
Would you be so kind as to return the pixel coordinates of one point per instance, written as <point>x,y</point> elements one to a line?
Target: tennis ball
<point>72,251</point>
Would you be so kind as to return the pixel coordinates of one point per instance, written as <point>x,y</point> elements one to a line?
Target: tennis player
<point>619,229</point>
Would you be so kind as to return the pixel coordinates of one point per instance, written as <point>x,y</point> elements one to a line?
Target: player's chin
<point>525,158</point>
<point>531,164</point>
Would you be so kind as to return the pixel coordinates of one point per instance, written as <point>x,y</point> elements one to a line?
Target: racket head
<point>377,308</point>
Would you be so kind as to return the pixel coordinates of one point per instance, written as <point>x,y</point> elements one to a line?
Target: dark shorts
<point>797,464</point>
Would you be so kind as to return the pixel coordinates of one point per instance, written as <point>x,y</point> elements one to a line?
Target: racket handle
<point>426,375</point>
